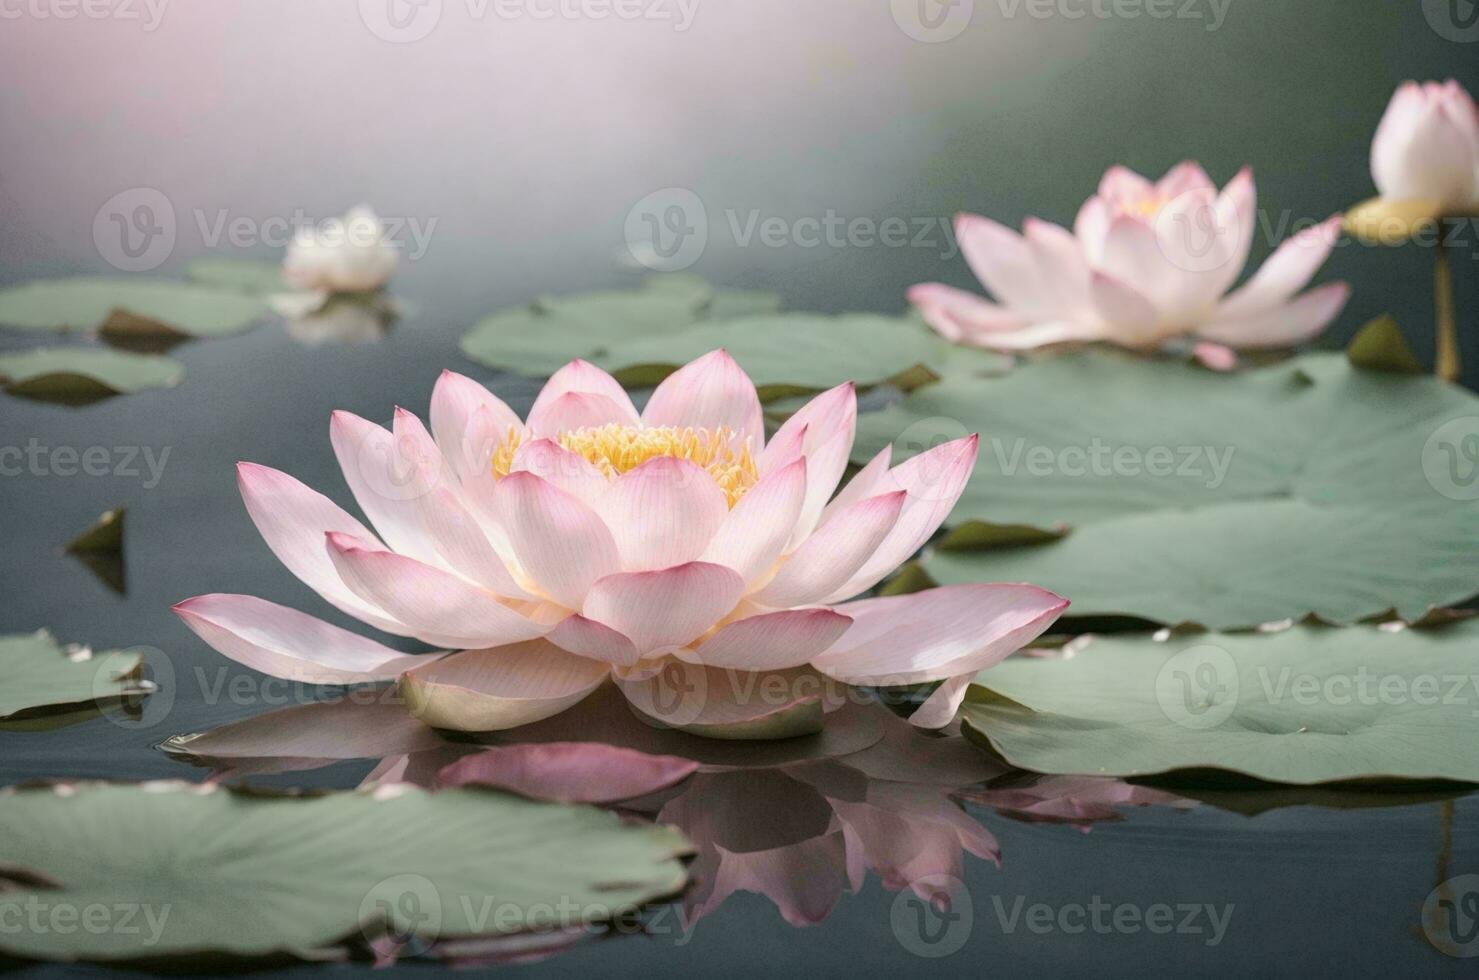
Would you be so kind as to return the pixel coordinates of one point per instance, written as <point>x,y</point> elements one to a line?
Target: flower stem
<point>1448,366</point>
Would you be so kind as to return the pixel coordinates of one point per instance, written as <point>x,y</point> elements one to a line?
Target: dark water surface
<point>529,146</point>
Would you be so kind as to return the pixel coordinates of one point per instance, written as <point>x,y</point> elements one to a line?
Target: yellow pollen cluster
<point>614,449</point>
<point>1146,207</point>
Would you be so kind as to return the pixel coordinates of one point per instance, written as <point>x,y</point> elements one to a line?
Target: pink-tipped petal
<point>938,710</point>
<point>1060,259</point>
<point>758,528</point>
<point>828,425</point>
<point>663,513</point>
<point>1091,227</point>
<point>584,378</point>
<point>576,410</point>
<point>1120,186</point>
<point>1215,357</point>
<point>286,643</point>
<point>461,542</point>
<point>665,609</point>
<point>712,392</point>
<point>1284,326</point>
<point>869,481</point>
<point>1135,255</point>
<point>938,633</point>
<point>560,542</point>
<point>596,641</point>
<point>292,519</point>
<point>501,688</point>
<point>560,467</point>
<point>569,772</point>
<point>933,482</point>
<point>958,316</point>
<point>1184,178</point>
<point>455,403</point>
<point>1132,317</point>
<point>441,607</point>
<point>387,477</point>
<point>831,556</point>
<point>773,641</point>
<point>1285,273</point>
<point>1006,266</point>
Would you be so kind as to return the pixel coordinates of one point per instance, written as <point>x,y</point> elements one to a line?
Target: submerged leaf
<point>83,375</point>
<point>317,871</point>
<point>1308,705</point>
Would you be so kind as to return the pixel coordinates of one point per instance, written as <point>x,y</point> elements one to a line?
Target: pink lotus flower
<point>590,542</point>
<point>1145,263</point>
<point>1427,148</point>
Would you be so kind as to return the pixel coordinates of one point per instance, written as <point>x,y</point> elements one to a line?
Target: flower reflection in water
<point>801,821</point>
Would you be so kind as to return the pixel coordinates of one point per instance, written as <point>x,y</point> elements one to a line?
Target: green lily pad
<point>1308,705</point>
<point>130,310</point>
<point>244,275</point>
<point>538,340</point>
<point>1226,500</point>
<point>83,375</point>
<point>314,872</point>
<point>43,678</point>
<point>795,353</point>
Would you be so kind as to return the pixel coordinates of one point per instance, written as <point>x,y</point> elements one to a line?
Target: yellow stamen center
<point>1146,207</point>
<point>614,449</point>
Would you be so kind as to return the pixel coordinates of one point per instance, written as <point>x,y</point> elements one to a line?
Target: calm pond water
<point>1304,887</point>
<point>528,146</point>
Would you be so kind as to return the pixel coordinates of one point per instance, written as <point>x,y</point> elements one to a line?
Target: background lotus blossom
<point>1427,147</point>
<point>1146,262</point>
<point>345,255</point>
<point>590,541</point>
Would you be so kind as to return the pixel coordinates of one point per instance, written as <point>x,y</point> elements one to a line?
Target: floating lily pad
<point>1226,500</point>
<point>244,275</point>
<point>43,678</point>
<point>538,340</point>
<point>83,375</point>
<point>794,353</point>
<point>315,871</point>
<point>1308,705</point>
<point>133,312</point>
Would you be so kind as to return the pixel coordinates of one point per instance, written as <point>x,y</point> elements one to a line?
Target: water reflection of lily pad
<point>1176,482</point>
<point>45,679</point>
<point>317,872</point>
<point>129,309</point>
<point>84,375</point>
<point>1308,705</point>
